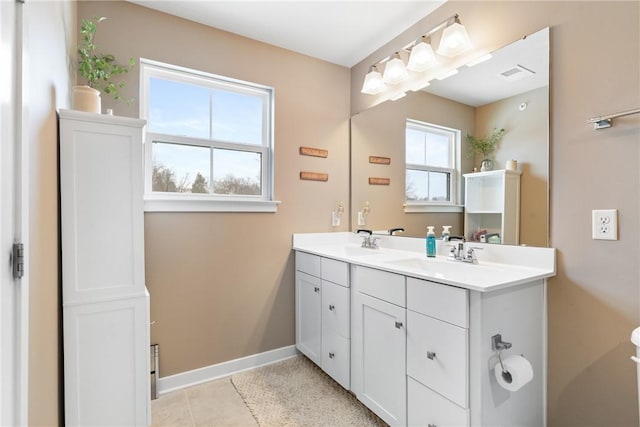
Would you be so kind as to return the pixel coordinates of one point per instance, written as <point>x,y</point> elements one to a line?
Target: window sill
<point>431,208</point>
<point>199,204</point>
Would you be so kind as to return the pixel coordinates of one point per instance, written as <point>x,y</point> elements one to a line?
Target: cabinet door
<point>101,207</point>
<point>106,363</point>
<point>308,316</point>
<point>335,357</point>
<point>381,362</point>
<point>335,309</point>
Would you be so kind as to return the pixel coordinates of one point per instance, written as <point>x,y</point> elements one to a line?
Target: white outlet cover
<point>604,224</point>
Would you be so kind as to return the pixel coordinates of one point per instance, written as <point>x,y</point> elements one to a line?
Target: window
<point>431,162</point>
<point>209,141</point>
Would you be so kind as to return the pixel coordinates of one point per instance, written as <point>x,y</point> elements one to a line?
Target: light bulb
<point>373,83</point>
<point>454,40</point>
<point>395,70</point>
<point>422,57</point>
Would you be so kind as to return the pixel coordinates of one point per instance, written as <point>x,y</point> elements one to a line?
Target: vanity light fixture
<point>422,56</point>
<point>454,40</point>
<point>395,70</point>
<point>373,83</point>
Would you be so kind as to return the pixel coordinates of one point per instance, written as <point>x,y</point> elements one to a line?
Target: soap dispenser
<point>431,242</point>
<point>446,232</point>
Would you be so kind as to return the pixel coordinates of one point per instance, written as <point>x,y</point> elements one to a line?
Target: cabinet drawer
<point>427,408</point>
<point>308,263</point>
<point>336,357</point>
<point>335,309</point>
<point>443,302</point>
<point>386,286</point>
<point>437,356</point>
<point>334,271</point>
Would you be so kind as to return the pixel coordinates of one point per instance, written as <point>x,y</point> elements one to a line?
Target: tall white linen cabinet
<point>104,299</point>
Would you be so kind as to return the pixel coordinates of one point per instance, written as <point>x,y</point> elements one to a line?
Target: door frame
<point>14,218</point>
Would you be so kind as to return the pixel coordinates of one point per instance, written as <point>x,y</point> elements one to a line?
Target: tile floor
<point>215,403</point>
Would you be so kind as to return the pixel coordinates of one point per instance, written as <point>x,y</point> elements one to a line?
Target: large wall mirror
<point>511,91</point>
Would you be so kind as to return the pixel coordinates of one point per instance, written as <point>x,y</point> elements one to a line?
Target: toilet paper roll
<point>520,371</point>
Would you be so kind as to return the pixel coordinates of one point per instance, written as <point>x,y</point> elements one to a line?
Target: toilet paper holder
<point>498,345</point>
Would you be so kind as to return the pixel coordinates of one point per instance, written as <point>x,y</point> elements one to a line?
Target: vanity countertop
<point>499,266</point>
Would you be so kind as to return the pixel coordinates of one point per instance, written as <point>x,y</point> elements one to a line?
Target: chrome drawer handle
<point>316,289</point>
<point>398,325</point>
<point>432,425</point>
<point>332,355</point>
<point>431,355</point>
<point>331,307</point>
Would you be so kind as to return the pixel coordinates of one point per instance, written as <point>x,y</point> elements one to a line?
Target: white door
<point>383,362</point>
<point>13,292</point>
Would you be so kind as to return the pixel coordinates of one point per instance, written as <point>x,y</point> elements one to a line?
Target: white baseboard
<point>224,369</point>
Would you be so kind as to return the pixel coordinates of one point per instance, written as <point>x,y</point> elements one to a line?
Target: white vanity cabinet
<point>104,299</point>
<point>492,203</point>
<point>323,314</point>
<point>379,342</point>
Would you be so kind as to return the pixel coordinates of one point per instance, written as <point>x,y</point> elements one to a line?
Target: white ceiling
<point>341,32</point>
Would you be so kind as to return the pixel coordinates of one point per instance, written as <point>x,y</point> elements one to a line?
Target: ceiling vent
<point>516,73</point>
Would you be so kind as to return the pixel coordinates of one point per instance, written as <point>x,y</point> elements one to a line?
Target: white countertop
<point>499,266</point>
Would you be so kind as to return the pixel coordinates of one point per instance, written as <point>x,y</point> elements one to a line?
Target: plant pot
<point>486,165</point>
<point>87,99</point>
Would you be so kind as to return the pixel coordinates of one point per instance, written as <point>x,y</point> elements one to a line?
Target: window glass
<point>237,117</point>
<point>237,172</point>
<point>178,108</point>
<point>180,168</point>
<point>209,135</point>
<point>430,163</point>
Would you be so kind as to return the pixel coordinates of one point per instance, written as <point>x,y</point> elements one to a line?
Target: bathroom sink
<point>438,267</point>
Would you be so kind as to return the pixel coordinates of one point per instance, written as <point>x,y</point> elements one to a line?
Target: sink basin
<point>434,266</point>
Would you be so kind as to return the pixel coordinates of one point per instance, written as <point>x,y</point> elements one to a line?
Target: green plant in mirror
<point>484,145</point>
<point>99,68</point>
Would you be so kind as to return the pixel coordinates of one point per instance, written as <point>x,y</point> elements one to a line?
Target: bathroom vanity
<point>411,337</point>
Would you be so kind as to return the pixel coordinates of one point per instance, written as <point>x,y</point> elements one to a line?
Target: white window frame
<point>412,206</point>
<point>188,202</point>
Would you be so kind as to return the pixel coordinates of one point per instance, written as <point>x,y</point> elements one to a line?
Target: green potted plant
<point>98,69</point>
<point>486,146</point>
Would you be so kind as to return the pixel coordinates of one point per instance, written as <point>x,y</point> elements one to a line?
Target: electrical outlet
<point>362,218</point>
<point>335,219</point>
<point>604,224</point>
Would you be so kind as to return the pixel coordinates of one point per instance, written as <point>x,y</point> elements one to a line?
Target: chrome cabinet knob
<point>332,355</point>
<point>431,355</point>
<point>316,289</point>
<point>398,325</point>
<point>331,307</point>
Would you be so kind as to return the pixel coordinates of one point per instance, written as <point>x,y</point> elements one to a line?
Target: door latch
<point>17,260</point>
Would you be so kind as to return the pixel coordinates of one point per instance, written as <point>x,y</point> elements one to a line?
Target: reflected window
<point>430,162</point>
<point>208,137</point>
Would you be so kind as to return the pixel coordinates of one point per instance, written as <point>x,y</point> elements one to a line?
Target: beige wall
<point>380,131</point>
<point>50,29</point>
<point>526,139</point>
<point>594,301</point>
<point>222,284</point>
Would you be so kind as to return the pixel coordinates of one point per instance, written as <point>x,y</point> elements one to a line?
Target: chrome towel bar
<point>603,122</point>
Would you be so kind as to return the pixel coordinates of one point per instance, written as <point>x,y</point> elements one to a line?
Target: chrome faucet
<point>368,240</point>
<point>459,252</point>
<point>395,230</point>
